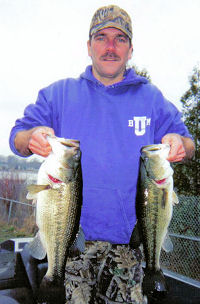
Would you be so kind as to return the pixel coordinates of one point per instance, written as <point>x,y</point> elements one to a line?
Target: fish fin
<point>34,202</point>
<point>36,248</point>
<point>79,243</point>
<point>33,190</point>
<point>136,238</point>
<point>31,196</point>
<point>154,284</point>
<point>51,291</point>
<point>167,245</point>
<point>175,199</point>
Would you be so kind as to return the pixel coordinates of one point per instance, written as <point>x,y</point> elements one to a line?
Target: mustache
<point>110,55</point>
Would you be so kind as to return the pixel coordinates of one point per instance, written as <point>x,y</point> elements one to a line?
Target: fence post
<point>10,210</point>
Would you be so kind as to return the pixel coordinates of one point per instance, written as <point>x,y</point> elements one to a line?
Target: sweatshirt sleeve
<point>38,114</point>
<point>168,119</point>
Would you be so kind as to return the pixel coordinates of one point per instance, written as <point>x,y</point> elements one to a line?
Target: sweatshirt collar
<point>130,78</point>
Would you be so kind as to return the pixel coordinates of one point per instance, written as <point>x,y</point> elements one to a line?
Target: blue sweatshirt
<point>112,123</point>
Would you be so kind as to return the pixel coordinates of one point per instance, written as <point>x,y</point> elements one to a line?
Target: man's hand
<point>34,141</point>
<point>38,143</point>
<point>180,147</point>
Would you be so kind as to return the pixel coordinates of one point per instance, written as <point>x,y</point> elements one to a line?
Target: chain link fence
<point>184,231</point>
<point>12,210</point>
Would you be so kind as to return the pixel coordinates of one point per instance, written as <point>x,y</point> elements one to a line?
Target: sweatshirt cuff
<point>12,143</point>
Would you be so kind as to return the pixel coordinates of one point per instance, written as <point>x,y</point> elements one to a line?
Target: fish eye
<point>144,158</point>
<point>77,155</point>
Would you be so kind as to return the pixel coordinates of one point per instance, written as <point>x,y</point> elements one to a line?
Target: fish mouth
<point>69,142</point>
<point>155,147</point>
<point>161,150</point>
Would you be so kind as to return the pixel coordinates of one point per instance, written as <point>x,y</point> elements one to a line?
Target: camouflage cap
<point>111,16</point>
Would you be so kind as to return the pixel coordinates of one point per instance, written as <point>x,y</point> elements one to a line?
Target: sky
<point>42,41</point>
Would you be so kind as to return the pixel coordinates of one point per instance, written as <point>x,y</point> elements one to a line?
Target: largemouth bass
<point>155,199</point>
<point>58,195</point>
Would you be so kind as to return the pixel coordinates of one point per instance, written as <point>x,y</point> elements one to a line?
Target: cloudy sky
<point>45,40</point>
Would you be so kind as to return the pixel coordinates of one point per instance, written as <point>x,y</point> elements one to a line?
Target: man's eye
<point>99,38</point>
<point>122,39</point>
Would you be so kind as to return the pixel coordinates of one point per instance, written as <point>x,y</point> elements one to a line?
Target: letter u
<point>140,124</point>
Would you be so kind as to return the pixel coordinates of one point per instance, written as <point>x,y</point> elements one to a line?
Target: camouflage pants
<point>105,274</point>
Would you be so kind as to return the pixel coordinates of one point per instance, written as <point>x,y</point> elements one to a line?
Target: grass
<point>8,231</point>
<point>22,218</point>
<point>21,224</point>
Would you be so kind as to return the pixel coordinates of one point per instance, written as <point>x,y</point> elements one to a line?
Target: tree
<point>143,72</point>
<point>187,175</point>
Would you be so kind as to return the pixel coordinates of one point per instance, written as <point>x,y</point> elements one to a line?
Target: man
<point>113,112</point>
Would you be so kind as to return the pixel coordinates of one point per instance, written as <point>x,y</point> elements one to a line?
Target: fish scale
<point>154,218</point>
<point>62,234</point>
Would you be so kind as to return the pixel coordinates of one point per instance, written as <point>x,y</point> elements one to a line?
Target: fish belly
<point>58,217</point>
<point>155,211</point>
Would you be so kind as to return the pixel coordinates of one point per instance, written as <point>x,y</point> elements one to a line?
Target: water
<point>29,176</point>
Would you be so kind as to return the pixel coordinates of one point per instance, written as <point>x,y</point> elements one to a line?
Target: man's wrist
<point>22,142</point>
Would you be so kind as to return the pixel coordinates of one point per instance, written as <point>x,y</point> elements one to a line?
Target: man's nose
<point>110,44</point>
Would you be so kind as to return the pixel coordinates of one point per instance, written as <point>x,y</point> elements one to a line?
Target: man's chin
<point>111,73</point>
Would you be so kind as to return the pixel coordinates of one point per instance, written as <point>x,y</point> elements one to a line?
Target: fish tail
<point>51,291</point>
<point>154,284</point>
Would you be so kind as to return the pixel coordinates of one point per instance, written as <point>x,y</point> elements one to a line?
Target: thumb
<point>38,143</point>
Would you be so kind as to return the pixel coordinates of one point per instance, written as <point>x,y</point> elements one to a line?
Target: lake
<point>29,176</point>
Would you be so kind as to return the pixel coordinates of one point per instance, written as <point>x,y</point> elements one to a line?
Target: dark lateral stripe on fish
<point>150,250</point>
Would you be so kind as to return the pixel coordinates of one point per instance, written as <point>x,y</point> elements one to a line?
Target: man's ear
<point>130,52</point>
<point>89,47</point>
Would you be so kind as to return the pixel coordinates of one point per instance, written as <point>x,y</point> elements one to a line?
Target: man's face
<point>109,50</point>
